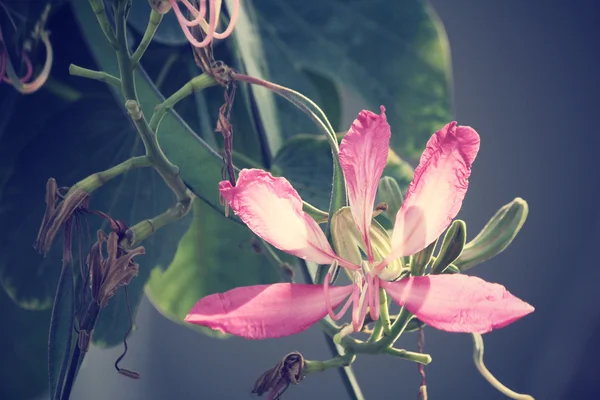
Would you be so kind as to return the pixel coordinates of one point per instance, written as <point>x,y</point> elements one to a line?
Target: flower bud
<point>495,236</point>
<point>389,192</point>
<point>160,6</point>
<point>452,246</point>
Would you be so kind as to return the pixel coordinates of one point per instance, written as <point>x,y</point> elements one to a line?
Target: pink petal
<point>266,311</point>
<point>438,188</point>
<point>363,155</point>
<point>458,303</point>
<point>273,210</point>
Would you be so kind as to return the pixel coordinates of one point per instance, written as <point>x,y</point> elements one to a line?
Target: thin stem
<point>97,75</point>
<point>196,84</point>
<point>478,359</point>
<point>168,171</point>
<point>293,96</point>
<point>100,11</point>
<point>384,312</point>
<point>376,333</point>
<point>409,355</point>
<point>98,179</point>
<point>338,190</point>
<point>87,324</point>
<point>142,230</point>
<point>336,362</point>
<point>75,359</point>
<point>398,327</point>
<point>165,69</point>
<point>153,23</point>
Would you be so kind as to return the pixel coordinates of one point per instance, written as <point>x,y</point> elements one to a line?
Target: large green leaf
<point>305,160</point>
<point>24,349</point>
<point>375,52</point>
<point>61,331</point>
<point>85,137</point>
<point>215,255</point>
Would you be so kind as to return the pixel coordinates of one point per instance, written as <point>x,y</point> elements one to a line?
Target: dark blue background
<point>526,77</point>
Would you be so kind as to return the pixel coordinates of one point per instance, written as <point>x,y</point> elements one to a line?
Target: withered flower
<point>278,379</point>
<point>60,209</point>
<point>110,273</point>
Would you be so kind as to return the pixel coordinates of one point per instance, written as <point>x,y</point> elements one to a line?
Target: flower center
<point>364,297</point>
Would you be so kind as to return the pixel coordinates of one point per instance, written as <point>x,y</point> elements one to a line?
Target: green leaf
<point>61,331</point>
<point>215,255</point>
<point>375,52</point>
<point>24,349</point>
<point>305,160</point>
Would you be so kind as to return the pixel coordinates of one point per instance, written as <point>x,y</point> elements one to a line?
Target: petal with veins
<point>438,188</point>
<point>458,303</point>
<point>363,155</point>
<point>273,210</point>
<point>266,311</point>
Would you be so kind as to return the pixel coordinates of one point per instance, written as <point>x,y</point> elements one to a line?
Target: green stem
<point>101,76</point>
<point>409,355</point>
<point>384,312</point>
<point>142,230</point>
<point>336,362</point>
<point>196,84</point>
<point>98,179</point>
<point>478,359</point>
<point>168,171</point>
<point>165,69</point>
<point>397,327</point>
<point>100,11</point>
<point>153,23</point>
<point>88,323</point>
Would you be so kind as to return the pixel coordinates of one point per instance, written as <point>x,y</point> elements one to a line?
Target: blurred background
<point>526,78</point>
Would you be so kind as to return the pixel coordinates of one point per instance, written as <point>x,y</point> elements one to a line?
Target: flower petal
<point>458,303</point>
<point>438,188</point>
<point>266,311</point>
<point>363,155</point>
<point>273,210</point>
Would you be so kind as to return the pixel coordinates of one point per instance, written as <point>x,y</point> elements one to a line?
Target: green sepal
<point>495,236</point>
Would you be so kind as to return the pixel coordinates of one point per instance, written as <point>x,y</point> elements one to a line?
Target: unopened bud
<point>160,6</point>
<point>497,234</point>
<point>452,246</point>
<point>390,193</point>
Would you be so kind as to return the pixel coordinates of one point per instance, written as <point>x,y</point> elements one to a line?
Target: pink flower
<point>199,15</point>
<point>273,210</point>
